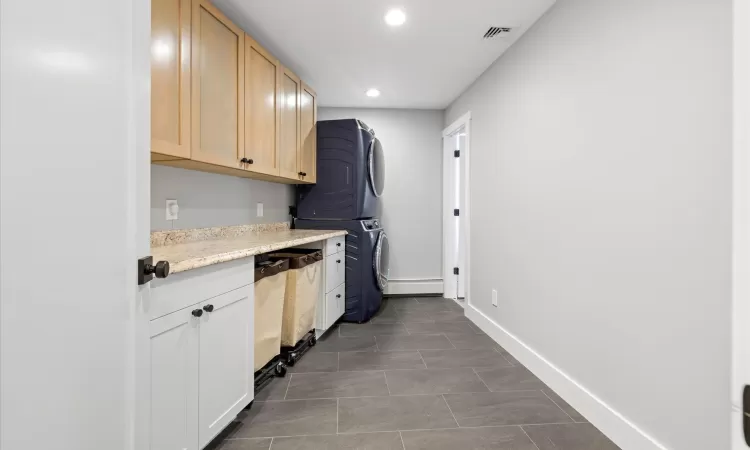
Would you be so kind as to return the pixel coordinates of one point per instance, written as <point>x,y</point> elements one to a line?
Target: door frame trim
<point>740,217</point>
<point>463,121</point>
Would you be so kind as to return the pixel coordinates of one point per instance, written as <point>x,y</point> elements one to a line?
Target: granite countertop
<point>193,249</point>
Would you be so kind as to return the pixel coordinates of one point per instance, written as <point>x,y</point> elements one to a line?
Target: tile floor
<point>419,376</point>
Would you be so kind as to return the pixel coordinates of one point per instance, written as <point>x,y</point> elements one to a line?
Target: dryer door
<point>380,262</point>
<point>376,167</point>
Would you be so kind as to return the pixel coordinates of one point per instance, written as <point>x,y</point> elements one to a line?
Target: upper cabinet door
<point>262,75</point>
<point>218,100</point>
<point>289,139</point>
<point>170,78</point>
<point>308,134</point>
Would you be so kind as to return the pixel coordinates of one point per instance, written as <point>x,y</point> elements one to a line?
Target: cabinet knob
<point>303,174</point>
<point>338,295</point>
<point>208,308</point>
<point>338,244</point>
<point>197,312</point>
<point>338,261</point>
<point>249,161</point>
<point>243,160</point>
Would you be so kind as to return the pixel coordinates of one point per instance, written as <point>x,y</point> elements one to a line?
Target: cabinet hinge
<point>455,212</point>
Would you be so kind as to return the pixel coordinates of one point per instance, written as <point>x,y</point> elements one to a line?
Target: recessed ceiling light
<point>395,17</point>
<point>372,93</point>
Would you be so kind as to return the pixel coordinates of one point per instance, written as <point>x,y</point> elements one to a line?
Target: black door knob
<point>159,270</point>
<point>197,312</point>
<point>208,308</point>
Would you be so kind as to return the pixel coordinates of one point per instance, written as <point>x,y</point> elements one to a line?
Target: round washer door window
<point>380,263</point>
<point>376,167</point>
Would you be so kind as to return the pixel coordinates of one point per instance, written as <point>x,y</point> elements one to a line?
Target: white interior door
<point>74,205</point>
<point>455,213</point>
<point>226,360</point>
<point>741,288</point>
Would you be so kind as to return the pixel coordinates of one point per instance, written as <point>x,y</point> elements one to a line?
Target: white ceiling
<point>344,47</point>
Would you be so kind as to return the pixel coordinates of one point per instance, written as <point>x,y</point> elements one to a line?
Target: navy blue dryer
<point>366,264</point>
<point>350,173</point>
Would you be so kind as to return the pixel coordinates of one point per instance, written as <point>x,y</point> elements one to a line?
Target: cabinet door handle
<point>208,308</point>
<point>197,312</point>
<point>243,160</point>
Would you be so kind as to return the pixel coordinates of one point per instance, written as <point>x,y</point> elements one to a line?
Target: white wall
<point>601,193</point>
<point>211,200</point>
<point>412,202</point>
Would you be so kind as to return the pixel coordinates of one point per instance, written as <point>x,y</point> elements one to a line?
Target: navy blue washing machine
<point>367,269</point>
<point>350,173</point>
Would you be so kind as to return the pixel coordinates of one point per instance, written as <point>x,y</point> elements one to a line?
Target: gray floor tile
<point>338,384</point>
<point>242,444</point>
<point>413,342</point>
<point>400,300</point>
<point>450,316</point>
<point>569,410</point>
<point>472,341</point>
<point>349,361</point>
<point>425,307</point>
<point>365,441</point>
<point>367,414</point>
<point>504,408</point>
<point>578,436</point>
<point>407,316</point>
<point>428,299</point>
<point>372,329</point>
<point>288,418</point>
<point>516,378</point>
<point>275,390</point>
<point>440,327</point>
<point>336,343</point>
<point>433,381</point>
<point>510,358</point>
<point>479,358</point>
<point>490,438</point>
<point>446,302</point>
<point>316,362</point>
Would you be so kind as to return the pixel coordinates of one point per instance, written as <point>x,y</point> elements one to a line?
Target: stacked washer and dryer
<point>350,181</point>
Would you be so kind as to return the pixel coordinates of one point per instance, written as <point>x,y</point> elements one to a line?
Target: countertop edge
<point>205,261</point>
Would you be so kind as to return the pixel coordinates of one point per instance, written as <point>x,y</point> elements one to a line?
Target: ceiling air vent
<point>497,32</point>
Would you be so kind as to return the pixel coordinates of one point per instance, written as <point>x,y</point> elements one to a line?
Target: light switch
<point>260,210</point>
<point>173,210</point>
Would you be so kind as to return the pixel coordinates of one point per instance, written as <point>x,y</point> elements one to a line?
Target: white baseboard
<point>415,286</point>
<point>614,425</point>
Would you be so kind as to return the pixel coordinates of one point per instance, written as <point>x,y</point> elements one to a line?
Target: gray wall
<point>601,185</point>
<point>211,200</point>
<point>412,201</point>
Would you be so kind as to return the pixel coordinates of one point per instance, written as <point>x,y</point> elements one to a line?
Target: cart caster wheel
<point>291,359</point>
<point>313,341</point>
<point>281,370</point>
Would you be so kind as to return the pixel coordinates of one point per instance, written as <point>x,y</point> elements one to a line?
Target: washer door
<point>376,167</point>
<point>380,262</point>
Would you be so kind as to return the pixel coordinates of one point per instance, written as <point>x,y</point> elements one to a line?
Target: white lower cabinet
<point>201,361</point>
<point>174,381</point>
<point>332,304</point>
<point>226,356</point>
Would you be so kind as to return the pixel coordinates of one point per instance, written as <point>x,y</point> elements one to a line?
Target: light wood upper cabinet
<point>308,134</point>
<point>289,139</point>
<point>262,75</point>
<point>170,78</point>
<point>218,85</point>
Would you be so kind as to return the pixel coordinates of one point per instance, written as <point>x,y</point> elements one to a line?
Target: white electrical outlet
<point>494,297</point>
<point>260,210</point>
<point>173,210</point>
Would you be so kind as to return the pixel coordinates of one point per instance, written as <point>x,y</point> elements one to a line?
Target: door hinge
<point>457,153</point>
<point>746,414</point>
<point>455,271</point>
<point>455,212</point>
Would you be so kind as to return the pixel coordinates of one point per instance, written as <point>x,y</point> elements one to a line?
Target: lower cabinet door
<point>174,381</point>
<point>335,305</point>
<point>226,360</point>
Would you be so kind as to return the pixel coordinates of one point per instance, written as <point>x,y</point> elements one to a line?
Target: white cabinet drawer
<point>335,305</point>
<point>335,245</point>
<point>335,270</point>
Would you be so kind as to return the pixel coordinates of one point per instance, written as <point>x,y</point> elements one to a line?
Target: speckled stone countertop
<point>193,249</point>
